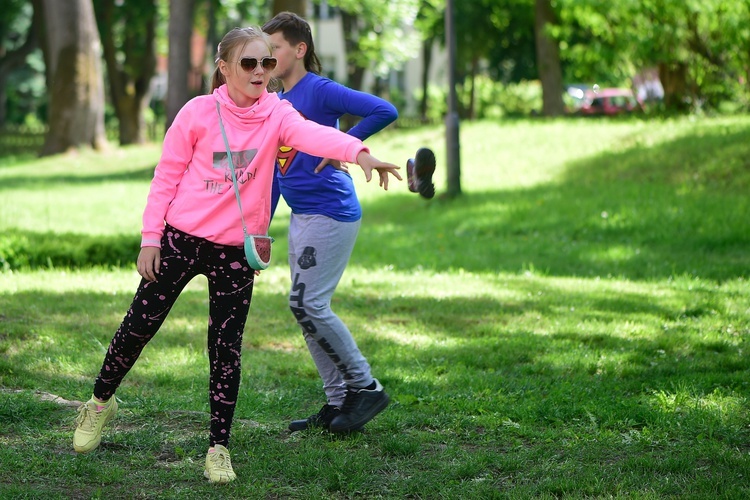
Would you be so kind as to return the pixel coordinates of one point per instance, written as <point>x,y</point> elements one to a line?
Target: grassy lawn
<point>573,326</point>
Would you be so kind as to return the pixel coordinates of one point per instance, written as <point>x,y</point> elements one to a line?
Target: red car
<point>609,102</point>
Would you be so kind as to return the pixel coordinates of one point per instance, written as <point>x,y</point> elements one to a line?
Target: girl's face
<point>247,73</point>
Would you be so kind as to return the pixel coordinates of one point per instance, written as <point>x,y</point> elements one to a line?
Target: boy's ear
<point>301,50</point>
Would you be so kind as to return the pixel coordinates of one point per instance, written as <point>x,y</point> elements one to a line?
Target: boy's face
<point>288,55</point>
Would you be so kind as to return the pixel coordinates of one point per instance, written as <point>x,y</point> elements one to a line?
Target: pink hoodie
<point>192,186</point>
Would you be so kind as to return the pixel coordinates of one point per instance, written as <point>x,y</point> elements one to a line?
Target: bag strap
<point>231,164</point>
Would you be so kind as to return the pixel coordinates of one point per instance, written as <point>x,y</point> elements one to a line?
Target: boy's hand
<point>338,165</point>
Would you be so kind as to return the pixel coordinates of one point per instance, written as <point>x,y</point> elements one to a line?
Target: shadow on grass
<point>103,177</point>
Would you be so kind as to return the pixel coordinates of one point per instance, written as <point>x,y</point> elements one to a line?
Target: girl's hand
<point>149,260</point>
<point>370,163</point>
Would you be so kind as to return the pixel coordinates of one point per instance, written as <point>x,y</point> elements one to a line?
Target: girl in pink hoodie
<point>191,226</point>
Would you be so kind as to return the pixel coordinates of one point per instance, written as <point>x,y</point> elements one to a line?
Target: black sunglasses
<point>250,63</point>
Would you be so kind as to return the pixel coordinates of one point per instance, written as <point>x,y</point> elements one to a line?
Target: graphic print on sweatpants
<point>307,261</point>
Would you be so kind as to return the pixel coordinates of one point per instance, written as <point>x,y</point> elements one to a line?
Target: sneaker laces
<point>87,418</point>
<point>325,411</point>
<point>220,460</point>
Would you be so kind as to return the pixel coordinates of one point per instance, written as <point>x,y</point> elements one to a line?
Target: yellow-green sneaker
<point>219,466</point>
<point>89,424</point>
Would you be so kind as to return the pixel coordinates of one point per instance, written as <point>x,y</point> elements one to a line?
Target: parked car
<point>609,101</point>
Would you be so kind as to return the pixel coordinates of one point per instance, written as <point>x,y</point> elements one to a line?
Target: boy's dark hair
<point>295,30</point>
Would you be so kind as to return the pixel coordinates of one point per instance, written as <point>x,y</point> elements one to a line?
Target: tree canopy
<point>698,49</point>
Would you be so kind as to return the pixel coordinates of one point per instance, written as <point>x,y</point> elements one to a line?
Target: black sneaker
<point>322,419</point>
<point>360,406</point>
<point>419,172</point>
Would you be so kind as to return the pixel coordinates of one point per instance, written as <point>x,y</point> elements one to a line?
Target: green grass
<point>574,326</point>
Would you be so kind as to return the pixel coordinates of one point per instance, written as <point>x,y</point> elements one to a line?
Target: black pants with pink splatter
<point>230,287</point>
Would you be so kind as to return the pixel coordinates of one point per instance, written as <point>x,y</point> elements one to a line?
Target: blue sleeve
<point>275,193</point>
<point>376,113</point>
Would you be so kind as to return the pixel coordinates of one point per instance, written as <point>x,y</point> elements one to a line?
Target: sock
<point>371,387</point>
<point>100,405</point>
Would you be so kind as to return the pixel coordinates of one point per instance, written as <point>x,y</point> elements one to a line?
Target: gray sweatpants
<point>319,250</point>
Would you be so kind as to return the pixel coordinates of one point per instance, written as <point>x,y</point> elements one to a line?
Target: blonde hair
<point>234,41</point>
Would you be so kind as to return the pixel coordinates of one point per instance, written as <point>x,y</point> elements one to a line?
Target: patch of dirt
<point>46,396</point>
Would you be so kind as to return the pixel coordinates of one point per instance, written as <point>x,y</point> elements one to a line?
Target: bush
<point>437,102</point>
<point>28,250</point>
<point>520,99</point>
<point>22,139</point>
<point>492,100</point>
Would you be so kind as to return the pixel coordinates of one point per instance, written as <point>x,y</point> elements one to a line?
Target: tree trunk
<point>178,63</point>
<point>427,61</point>
<point>354,73</point>
<point>673,77</point>
<point>452,120</point>
<point>299,7</point>
<point>130,77</point>
<point>74,76</point>
<point>12,60</point>
<point>472,111</point>
<point>548,60</point>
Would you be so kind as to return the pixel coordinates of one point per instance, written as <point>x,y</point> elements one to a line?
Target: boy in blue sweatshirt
<point>325,220</point>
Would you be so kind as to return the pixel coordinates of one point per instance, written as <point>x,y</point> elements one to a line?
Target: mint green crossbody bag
<point>257,246</point>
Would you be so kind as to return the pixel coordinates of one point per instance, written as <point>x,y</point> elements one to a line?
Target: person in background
<point>191,226</point>
<point>325,220</point>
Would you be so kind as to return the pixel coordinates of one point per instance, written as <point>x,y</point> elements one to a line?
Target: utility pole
<point>452,149</point>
